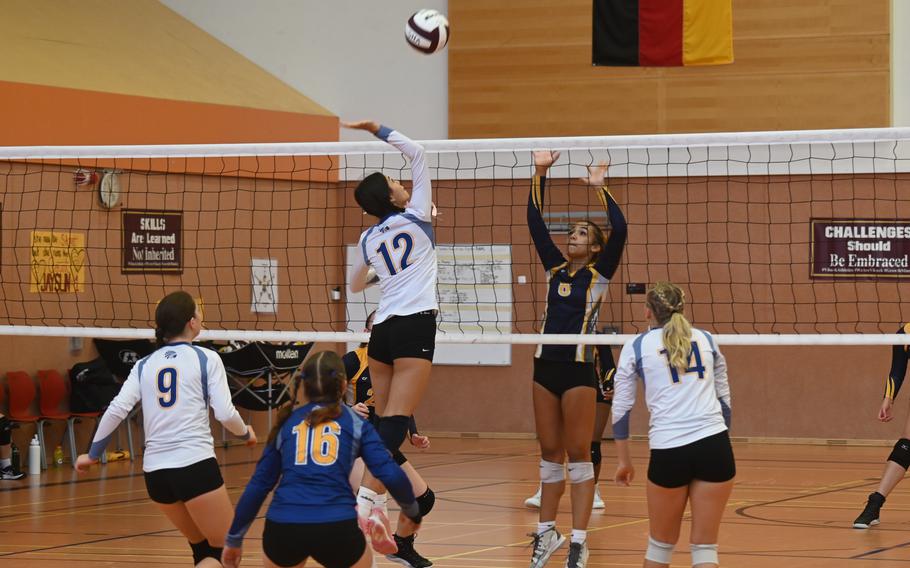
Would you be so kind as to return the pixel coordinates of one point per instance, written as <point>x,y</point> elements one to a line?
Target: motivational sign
<point>58,262</point>
<point>152,241</point>
<point>860,248</point>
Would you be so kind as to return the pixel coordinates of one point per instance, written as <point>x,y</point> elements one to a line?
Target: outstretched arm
<point>608,259</point>
<point>547,250</point>
<point>421,203</point>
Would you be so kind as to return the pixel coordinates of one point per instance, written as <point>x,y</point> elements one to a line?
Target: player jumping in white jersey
<point>684,377</point>
<point>401,251</point>
<point>177,384</point>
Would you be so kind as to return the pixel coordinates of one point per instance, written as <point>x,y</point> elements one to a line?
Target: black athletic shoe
<point>7,473</point>
<point>406,555</point>
<point>869,516</point>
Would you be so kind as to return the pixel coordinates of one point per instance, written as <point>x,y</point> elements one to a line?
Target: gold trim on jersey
<point>889,388</point>
<point>361,353</point>
<point>535,193</point>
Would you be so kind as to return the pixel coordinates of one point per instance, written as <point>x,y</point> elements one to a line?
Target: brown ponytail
<point>324,382</point>
<point>325,385</point>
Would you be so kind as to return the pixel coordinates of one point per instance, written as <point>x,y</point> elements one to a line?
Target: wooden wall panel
<point>524,69</point>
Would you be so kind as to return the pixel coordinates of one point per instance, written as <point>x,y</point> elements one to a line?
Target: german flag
<point>662,33</point>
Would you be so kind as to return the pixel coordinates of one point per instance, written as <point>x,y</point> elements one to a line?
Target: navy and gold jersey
<point>311,464</point>
<point>899,356</point>
<point>356,365</point>
<point>573,298</point>
<point>605,367</point>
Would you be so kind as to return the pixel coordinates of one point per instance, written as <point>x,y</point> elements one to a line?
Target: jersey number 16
<point>317,444</point>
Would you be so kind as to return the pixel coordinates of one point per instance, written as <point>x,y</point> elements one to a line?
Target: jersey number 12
<point>397,240</point>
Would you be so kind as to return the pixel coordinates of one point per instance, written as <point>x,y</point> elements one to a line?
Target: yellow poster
<point>58,262</point>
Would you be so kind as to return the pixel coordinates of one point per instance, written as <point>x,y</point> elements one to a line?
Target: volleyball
<point>427,31</point>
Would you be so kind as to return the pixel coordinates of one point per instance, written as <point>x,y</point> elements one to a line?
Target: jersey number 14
<point>697,368</point>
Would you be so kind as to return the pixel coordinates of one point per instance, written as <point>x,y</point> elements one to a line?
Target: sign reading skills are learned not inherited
<point>860,249</point>
<point>152,241</point>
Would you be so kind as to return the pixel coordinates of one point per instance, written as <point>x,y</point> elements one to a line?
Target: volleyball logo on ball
<point>427,31</point>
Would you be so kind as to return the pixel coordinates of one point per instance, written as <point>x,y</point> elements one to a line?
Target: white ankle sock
<point>366,500</point>
<point>544,527</point>
<point>579,536</point>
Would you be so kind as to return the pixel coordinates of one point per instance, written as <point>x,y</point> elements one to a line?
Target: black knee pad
<point>200,551</point>
<point>596,456</point>
<point>6,434</point>
<point>426,501</point>
<point>901,453</point>
<point>393,430</point>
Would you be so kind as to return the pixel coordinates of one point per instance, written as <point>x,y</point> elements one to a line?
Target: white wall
<point>349,56</point>
<point>900,63</point>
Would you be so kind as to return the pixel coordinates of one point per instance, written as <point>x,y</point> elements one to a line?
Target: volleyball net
<point>778,237</point>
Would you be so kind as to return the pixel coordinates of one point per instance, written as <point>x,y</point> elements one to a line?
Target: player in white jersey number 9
<point>176,385</point>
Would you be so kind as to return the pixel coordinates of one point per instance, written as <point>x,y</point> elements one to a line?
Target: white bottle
<point>34,457</point>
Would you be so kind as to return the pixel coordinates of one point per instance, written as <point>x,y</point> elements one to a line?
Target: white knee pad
<point>580,471</point>
<point>660,552</point>
<point>704,554</point>
<point>551,472</point>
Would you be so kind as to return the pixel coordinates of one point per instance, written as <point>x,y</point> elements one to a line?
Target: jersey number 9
<point>318,444</point>
<point>167,387</point>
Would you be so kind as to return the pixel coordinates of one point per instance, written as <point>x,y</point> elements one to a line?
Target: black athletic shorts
<point>708,459</point>
<point>560,376</point>
<point>404,336</point>
<point>168,486</point>
<point>334,545</point>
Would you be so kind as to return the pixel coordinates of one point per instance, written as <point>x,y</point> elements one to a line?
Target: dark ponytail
<point>324,381</point>
<point>325,386</point>
<point>174,311</point>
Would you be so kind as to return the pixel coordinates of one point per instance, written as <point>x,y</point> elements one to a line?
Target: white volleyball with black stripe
<point>427,31</point>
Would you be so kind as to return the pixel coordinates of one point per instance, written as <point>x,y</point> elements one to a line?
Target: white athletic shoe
<point>598,502</point>
<point>533,501</point>
<point>545,544</point>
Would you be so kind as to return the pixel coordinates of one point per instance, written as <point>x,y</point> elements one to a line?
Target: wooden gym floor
<point>793,506</point>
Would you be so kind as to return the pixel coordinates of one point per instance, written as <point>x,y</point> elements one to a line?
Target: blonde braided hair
<point>666,301</point>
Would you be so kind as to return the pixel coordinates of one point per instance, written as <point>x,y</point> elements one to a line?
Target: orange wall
<point>36,115</point>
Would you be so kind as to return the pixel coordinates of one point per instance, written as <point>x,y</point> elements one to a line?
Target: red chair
<point>21,396</point>
<point>55,395</point>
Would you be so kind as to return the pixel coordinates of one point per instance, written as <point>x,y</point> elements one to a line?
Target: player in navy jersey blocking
<point>899,460</point>
<point>684,377</point>
<point>604,367</point>
<point>400,249</point>
<point>309,456</point>
<point>176,385</point>
<point>564,379</point>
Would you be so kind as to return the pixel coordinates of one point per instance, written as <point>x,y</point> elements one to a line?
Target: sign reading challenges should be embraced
<point>152,241</point>
<point>860,248</point>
